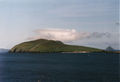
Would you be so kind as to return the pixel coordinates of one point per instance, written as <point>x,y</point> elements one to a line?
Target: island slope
<point>51,46</point>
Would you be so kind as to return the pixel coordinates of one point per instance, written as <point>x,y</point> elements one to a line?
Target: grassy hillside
<point>43,45</point>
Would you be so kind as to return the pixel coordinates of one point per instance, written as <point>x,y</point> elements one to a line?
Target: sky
<point>93,23</point>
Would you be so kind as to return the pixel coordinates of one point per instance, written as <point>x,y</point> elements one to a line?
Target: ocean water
<point>59,67</point>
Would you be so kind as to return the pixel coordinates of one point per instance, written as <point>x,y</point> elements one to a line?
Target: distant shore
<point>71,52</point>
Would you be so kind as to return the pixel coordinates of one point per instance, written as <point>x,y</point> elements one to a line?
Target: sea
<point>59,67</point>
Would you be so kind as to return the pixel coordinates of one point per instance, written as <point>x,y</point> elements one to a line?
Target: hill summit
<point>50,46</point>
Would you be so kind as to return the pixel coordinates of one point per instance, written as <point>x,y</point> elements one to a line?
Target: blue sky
<point>19,20</point>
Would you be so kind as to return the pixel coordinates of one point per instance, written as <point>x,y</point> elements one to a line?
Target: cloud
<point>65,35</point>
<point>117,23</point>
<point>99,35</point>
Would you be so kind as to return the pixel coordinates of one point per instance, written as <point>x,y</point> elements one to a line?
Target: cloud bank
<point>65,35</point>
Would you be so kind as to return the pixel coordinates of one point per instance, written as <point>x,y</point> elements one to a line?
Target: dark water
<point>57,67</point>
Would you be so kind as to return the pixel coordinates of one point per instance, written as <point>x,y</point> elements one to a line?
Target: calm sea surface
<point>59,67</point>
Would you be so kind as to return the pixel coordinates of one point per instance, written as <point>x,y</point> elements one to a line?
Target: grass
<point>43,45</point>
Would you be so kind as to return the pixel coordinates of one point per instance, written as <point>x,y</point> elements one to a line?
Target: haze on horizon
<point>93,23</point>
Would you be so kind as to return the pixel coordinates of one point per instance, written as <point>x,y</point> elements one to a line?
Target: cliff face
<point>43,45</point>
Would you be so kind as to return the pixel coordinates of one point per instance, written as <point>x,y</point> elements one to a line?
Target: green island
<point>51,46</point>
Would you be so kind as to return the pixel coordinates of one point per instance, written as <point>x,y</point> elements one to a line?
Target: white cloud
<point>65,35</point>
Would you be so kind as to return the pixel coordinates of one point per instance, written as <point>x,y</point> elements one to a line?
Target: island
<point>51,46</point>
